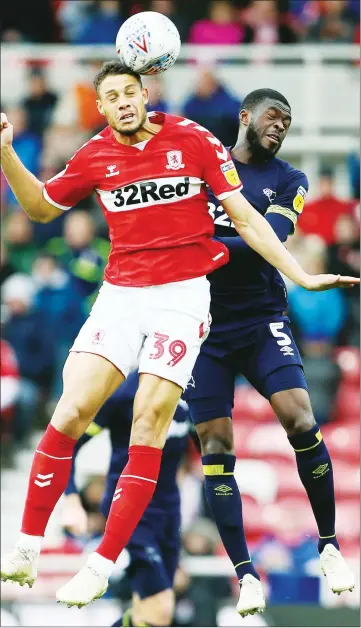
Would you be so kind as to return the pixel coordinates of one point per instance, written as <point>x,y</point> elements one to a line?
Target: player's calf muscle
<point>150,426</point>
<point>154,407</point>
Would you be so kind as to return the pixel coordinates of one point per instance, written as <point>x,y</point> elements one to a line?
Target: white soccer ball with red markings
<point>148,43</point>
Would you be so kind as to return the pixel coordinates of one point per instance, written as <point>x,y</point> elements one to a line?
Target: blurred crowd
<point>202,22</point>
<point>50,274</point>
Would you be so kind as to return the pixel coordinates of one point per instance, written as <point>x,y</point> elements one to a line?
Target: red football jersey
<point>153,196</point>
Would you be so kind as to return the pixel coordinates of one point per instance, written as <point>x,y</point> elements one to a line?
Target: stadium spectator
<point>39,103</point>
<point>71,17</point>
<point>344,255</point>
<point>28,22</point>
<point>267,24</point>
<point>6,267</point>
<point>157,101</point>
<point>220,27</point>
<point>199,596</point>
<point>27,145</point>
<point>353,163</point>
<point>81,253</point>
<point>320,215</point>
<point>304,10</point>
<point>21,250</point>
<point>335,24</point>
<point>178,17</point>
<point>75,119</point>
<point>323,376</point>
<point>61,305</point>
<point>9,380</point>
<point>319,316</point>
<point>102,24</point>
<point>92,495</point>
<point>28,333</point>
<point>214,107</point>
<point>190,484</point>
<point>318,323</point>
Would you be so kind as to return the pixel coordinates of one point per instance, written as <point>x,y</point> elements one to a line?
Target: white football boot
<point>89,584</point>
<point>20,565</point>
<point>339,576</point>
<point>251,599</point>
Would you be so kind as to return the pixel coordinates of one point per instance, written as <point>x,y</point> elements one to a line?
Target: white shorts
<point>157,329</point>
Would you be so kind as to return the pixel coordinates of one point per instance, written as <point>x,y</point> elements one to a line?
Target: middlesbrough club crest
<point>174,158</point>
<point>98,336</point>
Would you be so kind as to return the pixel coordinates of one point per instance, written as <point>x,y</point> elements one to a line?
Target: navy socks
<point>225,503</point>
<point>315,470</point>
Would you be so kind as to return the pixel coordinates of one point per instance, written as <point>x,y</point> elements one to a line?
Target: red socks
<point>134,491</point>
<point>49,476</point>
<point>48,479</point>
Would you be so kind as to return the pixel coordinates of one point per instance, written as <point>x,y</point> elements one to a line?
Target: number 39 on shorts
<point>174,349</point>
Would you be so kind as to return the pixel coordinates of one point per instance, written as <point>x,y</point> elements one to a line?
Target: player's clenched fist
<point>6,131</point>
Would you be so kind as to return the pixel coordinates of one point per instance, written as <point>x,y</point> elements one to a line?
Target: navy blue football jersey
<point>248,290</point>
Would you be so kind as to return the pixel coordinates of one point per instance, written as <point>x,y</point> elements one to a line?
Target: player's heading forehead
<point>114,68</point>
<point>266,97</point>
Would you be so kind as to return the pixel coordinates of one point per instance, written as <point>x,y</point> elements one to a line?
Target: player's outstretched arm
<point>259,235</point>
<point>27,188</point>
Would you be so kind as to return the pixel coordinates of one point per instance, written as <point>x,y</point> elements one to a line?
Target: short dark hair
<point>253,99</point>
<point>112,68</point>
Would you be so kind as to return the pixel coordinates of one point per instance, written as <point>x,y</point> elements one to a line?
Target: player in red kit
<point>150,175</point>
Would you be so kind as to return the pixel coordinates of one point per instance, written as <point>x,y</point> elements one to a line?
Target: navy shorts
<point>154,553</point>
<point>271,363</point>
<point>154,546</point>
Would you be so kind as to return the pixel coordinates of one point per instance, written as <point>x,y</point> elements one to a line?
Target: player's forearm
<point>26,187</point>
<point>259,235</point>
<point>281,225</point>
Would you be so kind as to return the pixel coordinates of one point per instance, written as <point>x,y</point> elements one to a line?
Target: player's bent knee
<point>216,436</point>
<point>71,418</point>
<point>294,411</point>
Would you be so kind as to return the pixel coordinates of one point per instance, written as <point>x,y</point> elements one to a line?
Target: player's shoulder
<point>94,144</point>
<point>185,126</point>
<point>289,175</point>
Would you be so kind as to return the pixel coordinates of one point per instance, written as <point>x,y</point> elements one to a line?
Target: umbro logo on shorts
<point>146,193</point>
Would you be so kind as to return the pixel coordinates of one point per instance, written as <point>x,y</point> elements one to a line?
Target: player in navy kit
<point>251,335</point>
<point>155,544</point>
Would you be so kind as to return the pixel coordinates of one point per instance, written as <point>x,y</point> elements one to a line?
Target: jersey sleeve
<point>219,171</point>
<point>72,184</point>
<point>291,197</point>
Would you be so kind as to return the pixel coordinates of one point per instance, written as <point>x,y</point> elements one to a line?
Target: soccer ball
<point>148,43</point>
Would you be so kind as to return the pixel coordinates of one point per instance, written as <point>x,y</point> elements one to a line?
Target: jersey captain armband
<point>295,203</point>
<point>284,211</point>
